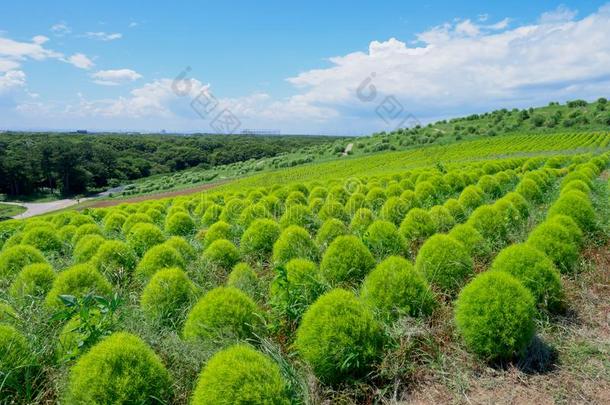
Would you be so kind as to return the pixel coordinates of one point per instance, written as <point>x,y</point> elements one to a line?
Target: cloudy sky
<point>352,67</point>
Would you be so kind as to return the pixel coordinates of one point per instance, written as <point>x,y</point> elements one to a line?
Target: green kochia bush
<point>576,205</point>
<point>179,224</point>
<point>494,315</point>
<point>445,263</point>
<point>223,313</point>
<point>182,246</point>
<point>219,230</point>
<point>244,278</point>
<point>7,314</point>
<point>473,241</point>
<point>394,288</point>
<point>295,287</point>
<point>142,237</point>
<point>383,240</point>
<point>329,231</point>
<point>535,271</point>
<point>361,220</point>
<point>555,240</point>
<point>15,358</point>
<point>489,222</point>
<point>240,375</point>
<point>15,258</point>
<point>166,296</point>
<point>294,242</point>
<point>83,230</point>
<point>222,253</point>
<point>347,260</point>
<point>257,241</point>
<point>35,280</point>
<point>417,226</point>
<point>339,337</point>
<point>120,369</point>
<point>86,248</point>
<point>43,238</point>
<point>157,258</point>
<point>114,258</point>
<point>77,281</point>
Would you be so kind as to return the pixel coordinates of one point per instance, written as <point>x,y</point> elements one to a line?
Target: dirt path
<point>33,209</point>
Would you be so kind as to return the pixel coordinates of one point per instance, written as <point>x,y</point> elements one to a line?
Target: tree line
<point>74,164</point>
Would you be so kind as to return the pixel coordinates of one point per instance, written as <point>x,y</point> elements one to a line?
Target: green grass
<point>9,210</point>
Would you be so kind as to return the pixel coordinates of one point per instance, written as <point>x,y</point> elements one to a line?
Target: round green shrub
<point>441,218</point>
<point>244,278</point>
<point>394,288</point>
<point>84,230</point>
<point>223,313</point>
<point>294,242</point>
<point>157,258</point>
<point>489,222</point>
<point>535,271</point>
<point>166,296</point>
<point>494,315</point>
<point>510,216</point>
<point>219,230</point>
<point>142,237</point>
<point>490,186</point>
<point>15,358</point>
<point>471,197</point>
<point>252,213</point>
<point>120,369</point>
<point>395,209</point>
<point>519,203</point>
<point>575,205</point>
<point>295,286</point>
<point>530,190</point>
<point>134,219</point>
<point>347,260</point>
<point>44,239</point>
<point>66,233</point>
<point>333,209</point>
<point>240,375</point>
<point>455,210</point>
<point>339,337</point>
<point>211,215</point>
<point>554,240</point>
<point>578,185</point>
<point>35,280</point>
<point>222,253</point>
<point>445,262</point>
<point>299,215</point>
<point>86,248</point>
<point>232,210</point>
<point>257,241</point>
<point>329,231</point>
<point>114,258</point>
<point>383,239</point>
<point>114,222</point>
<point>375,199</point>
<point>77,281</point>
<point>182,246</point>
<point>417,226</point>
<point>80,219</point>
<point>576,234</point>
<point>15,258</point>
<point>361,220</point>
<point>180,224</point>
<point>473,241</point>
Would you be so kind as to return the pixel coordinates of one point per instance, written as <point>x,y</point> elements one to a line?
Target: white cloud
<point>115,77</point>
<point>12,80</point>
<point>133,24</point>
<point>81,61</point>
<point>560,14</point>
<point>103,36</point>
<point>61,29</point>
<point>40,39</point>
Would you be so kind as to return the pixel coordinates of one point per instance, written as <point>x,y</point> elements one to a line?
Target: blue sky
<point>293,67</point>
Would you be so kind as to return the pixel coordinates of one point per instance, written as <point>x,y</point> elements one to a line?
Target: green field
<point>463,269</point>
<point>10,210</point>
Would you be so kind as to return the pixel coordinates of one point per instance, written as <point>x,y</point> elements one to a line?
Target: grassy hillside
<point>472,269</point>
<point>576,116</point>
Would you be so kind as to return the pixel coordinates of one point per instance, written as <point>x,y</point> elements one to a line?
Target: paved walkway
<point>33,209</point>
